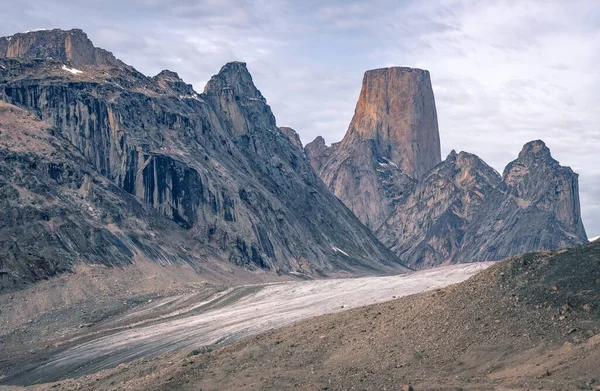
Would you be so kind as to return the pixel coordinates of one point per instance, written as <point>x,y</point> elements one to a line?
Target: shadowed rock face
<point>535,178</point>
<point>463,211</point>
<point>317,152</point>
<point>392,141</point>
<point>73,46</point>
<point>56,210</point>
<point>215,163</point>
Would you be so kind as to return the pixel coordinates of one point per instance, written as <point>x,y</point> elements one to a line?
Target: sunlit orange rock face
<point>392,141</point>
<point>396,110</point>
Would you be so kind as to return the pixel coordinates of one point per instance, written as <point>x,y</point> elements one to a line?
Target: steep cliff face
<point>429,227</point>
<point>391,142</point>
<point>73,46</point>
<point>463,211</point>
<point>396,112</point>
<point>56,210</point>
<point>535,178</point>
<point>215,163</point>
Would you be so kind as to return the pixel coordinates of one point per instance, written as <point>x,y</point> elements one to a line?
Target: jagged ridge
<point>214,162</point>
<point>458,211</point>
<point>464,211</point>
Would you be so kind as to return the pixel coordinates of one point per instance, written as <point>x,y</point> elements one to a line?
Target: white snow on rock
<point>388,162</point>
<point>337,250</point>
<point>594,239</point>
<point>71,70</point>
<point>33,31</point>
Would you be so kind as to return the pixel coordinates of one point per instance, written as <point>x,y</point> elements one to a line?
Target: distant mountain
<point>464,211</point>
<point>391,142</point>
<point>387,170</point>
<point>214,164</point>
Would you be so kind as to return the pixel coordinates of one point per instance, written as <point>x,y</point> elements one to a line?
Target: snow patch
<point>193,96</point>
<point>71,70</point>
<point>33,31</point>
<point>337,250</point>
<point>388,163</point>
<point>594,239</point>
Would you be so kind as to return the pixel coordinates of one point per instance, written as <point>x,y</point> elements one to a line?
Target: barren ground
<point>149,326</point>
<point>531,322</point>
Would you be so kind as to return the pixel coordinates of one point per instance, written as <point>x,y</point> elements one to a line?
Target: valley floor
<point>149,326</point>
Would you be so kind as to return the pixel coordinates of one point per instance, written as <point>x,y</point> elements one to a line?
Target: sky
<point>503,72</point>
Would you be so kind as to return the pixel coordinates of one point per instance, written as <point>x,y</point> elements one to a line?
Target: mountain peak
<point>319,140</point>
<point>394,70</point>
<point>292,135</point>
<point>73,46</point>
<point>235,76</point>
<point>171,80</point>
<point>396,111</point>
<point>535,148</point>
<point>234,67</point>
<point>167,74</point>
<point>317,152</point>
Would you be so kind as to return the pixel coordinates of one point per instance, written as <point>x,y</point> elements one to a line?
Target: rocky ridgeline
<point>214,163</point>
<point>388,170</point>
<point>73,46</point>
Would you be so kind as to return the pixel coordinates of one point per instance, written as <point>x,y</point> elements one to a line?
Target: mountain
<point>387,170</point>
<point>464,211</point>
<point>56,210</point>
<point>214,164</point>
<point>391,142</point>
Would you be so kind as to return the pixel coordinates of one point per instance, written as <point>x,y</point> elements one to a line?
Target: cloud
<point>504,72</point>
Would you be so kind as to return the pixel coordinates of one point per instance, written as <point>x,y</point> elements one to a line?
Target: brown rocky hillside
<point>529,322</point>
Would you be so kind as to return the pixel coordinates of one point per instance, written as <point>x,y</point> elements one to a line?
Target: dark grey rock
<point>73,46</point>
<point>215,163</point>
<point>464,211</point>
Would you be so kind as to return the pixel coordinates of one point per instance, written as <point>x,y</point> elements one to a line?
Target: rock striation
<point>214,163</point>
<point>56,210</point>
<point>392,141</point>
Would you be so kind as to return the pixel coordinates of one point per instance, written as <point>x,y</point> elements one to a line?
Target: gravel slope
<point>529,322</point>
<point>268,307</point>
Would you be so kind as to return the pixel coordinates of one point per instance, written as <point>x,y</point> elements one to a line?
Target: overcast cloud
<point>503,72</point>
